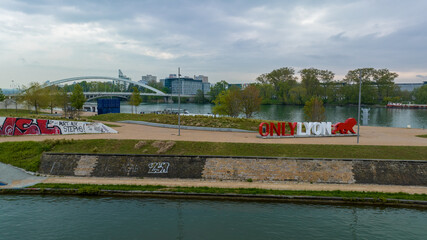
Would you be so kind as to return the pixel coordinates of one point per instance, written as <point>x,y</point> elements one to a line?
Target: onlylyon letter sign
<point>26,126</point>
<point>307,129</point>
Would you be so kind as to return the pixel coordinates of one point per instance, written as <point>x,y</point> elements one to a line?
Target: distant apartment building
<point>185,85</point>
<point>147,78</point>
<point>201,77</point>
<point>410,86</point>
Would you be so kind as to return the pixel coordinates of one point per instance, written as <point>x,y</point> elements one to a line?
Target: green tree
<point>77,98</point>
<point>311,79</point>
<point>217,89</point>
<point>314,111</point>
<point>3,98</point>
<point>250,100</point>
<point>52,95</point>
<point>228,103</point>
<point>278,79</point>
<point>421,95</point>
<point>135,99</point>
<point>351,88</point>
<point>35,96</point>
<point>266,92</point>
<point>200,97</point>
<point>384,80</point>
<point>297,95</point>
<point>64,101</point>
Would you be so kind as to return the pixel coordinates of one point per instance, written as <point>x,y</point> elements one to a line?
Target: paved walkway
<point>186,127</point>
<point>16,178</point>
<point>239,184</point>
<point>368,136</point>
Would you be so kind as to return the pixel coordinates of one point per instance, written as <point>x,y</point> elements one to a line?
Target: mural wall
<point>25,126</point>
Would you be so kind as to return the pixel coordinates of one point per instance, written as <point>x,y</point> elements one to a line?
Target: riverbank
<point>253,193</point>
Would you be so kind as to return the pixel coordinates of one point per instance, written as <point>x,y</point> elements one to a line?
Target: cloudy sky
<point>226,40</point>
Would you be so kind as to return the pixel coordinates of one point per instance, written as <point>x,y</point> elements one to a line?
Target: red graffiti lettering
<point>45,129</point>
<point>25,126</point>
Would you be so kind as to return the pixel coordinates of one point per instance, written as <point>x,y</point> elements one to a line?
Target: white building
<point>147,78</point>
<point>201,77</point>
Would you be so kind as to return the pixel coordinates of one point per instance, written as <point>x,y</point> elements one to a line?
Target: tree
<point>77,98</point>
<point>52,93</point>
<point>282,80</point>
<point>311,79</point>
<point>135,99</point>
<point>250,100</point>
<point>266,92</point>
<point>421,95</point>
<point>2,98</point>
<point>314,110</point>
<point>297,95</point>
<point>351,88</point>
<point>228,103</point>
<point>384,80</point>
<point>64,101</point>
<point>200,97</point>
<point>35,96</point>
<point>217,89</point>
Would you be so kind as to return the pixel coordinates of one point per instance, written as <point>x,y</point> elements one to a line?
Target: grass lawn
<point>94,190</point>
<point>198,121</point>
<point>247,149</point>
<point>27,154</point>
<point>422,136</point>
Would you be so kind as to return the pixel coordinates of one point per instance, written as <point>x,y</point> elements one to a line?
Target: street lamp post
<point>14,86</point>
<point>358,109</point>
<point>179,102</point>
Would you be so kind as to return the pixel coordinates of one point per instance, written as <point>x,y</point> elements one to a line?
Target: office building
<point>185,85</point>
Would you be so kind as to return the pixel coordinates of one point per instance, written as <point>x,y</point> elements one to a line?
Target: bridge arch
<point>101,96</point>
<point>65,80</point>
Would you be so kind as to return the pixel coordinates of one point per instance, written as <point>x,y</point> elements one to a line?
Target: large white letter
<point>327,128</point>
<point>317,129</point>
<point>308,126</point>
<point>299,129</point>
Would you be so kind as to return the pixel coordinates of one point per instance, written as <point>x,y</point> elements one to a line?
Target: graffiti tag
<point>158,167</point>
<point>26,126</point>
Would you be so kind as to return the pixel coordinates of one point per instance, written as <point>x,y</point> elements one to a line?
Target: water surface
<point>71,217</point>
<point>378,116</point>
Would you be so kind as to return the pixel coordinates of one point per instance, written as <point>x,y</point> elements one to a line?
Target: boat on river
<point>404,105</point>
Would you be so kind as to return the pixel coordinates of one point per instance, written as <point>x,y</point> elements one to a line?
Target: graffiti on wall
<point>158,167</point>
<point>26,126</point>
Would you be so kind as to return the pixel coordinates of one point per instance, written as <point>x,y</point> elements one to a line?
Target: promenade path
<point>368,136</point>
<point>16,178</point>
<point>240,184</point>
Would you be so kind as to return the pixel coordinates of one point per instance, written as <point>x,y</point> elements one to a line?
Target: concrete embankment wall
<point>346,171</point>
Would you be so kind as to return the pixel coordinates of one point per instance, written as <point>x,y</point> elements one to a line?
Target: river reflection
<point>383,117</point>
<point>69,217</point>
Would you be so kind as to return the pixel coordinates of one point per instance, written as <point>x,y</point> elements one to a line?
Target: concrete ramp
<point>13,177</point>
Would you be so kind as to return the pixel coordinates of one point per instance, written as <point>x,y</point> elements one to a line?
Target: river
<point>71,217</point>
<point>378,116</point>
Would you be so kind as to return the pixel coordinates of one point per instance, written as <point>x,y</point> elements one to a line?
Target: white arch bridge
<point>94,95</point>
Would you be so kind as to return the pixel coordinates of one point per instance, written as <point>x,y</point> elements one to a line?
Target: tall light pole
<point>179,102</point>
<point>14,86</point>
<point>358,109</point>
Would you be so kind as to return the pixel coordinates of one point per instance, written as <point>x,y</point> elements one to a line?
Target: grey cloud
<point>239,36</point>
